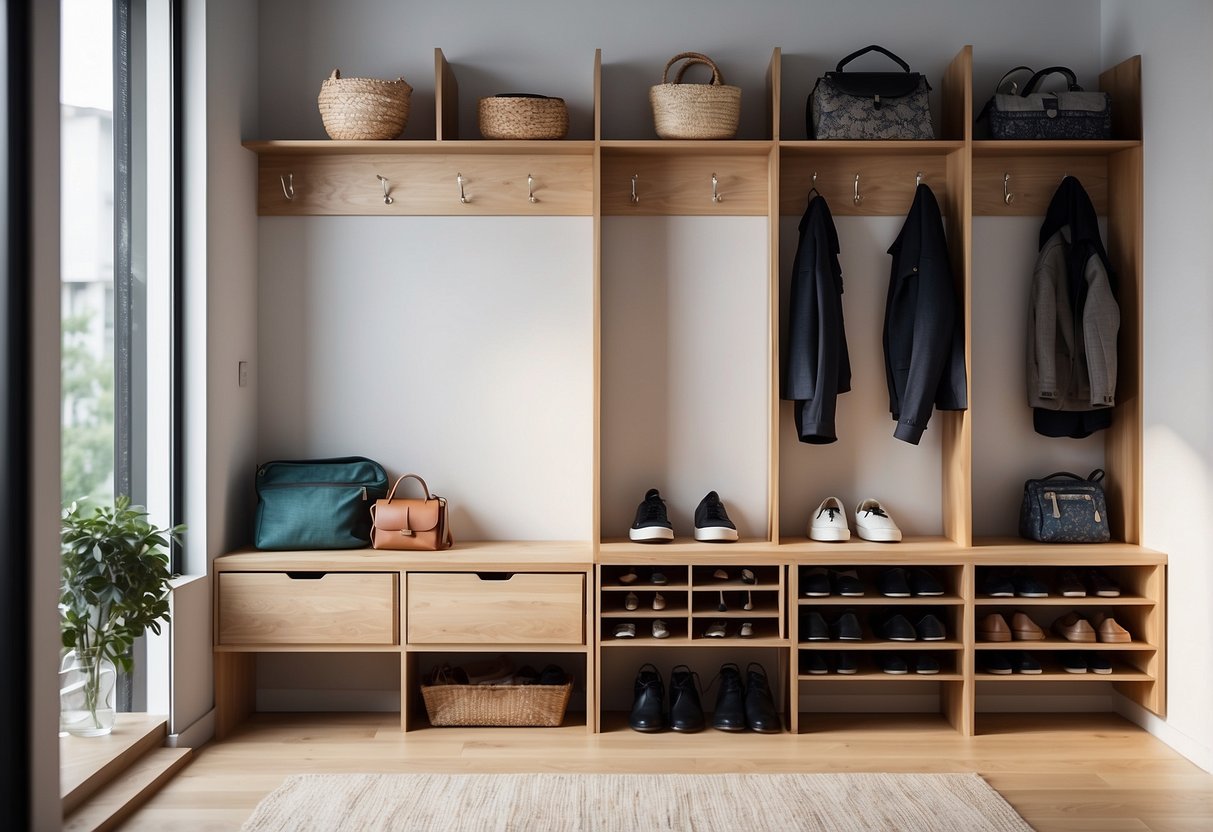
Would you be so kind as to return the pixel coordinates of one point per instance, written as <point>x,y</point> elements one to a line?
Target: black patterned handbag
<point>870,105</point>
<point>1065,508</point>
<point>1070,114</point>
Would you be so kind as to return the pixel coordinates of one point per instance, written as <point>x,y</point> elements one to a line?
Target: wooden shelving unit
<point>768,177</point>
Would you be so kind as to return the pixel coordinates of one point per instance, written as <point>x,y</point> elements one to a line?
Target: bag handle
<point>1009,73</point>
<point>866,50</point>
<point>425,488</point>
<point>1071,79</point>
<point>1094,476</point>
<point>691,59</point>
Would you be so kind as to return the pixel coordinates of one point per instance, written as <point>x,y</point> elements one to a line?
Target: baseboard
<point>196,735</point>
<point>293,699</point>
<point>1197,752</point>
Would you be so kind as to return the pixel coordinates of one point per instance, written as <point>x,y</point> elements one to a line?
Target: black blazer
<point>817,366</point>
<point>923,328</point>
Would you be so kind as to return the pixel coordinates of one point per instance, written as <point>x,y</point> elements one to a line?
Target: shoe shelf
<point>868,645</point>
<point>879,676</point>
<point>1059,601</point>
<point>929,550</point>
<point>879,600</point>
<point>1055,643</point>
<point>1055,673</point>
<point>683,549</point>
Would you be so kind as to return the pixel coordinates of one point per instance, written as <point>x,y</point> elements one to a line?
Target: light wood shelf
<point>881,601</point>
<point>879,676</point>
<point>1055,643</point>
<point>1117,675</point>
<point>868,645</point>
<point>1059,601</point>
<point>731,640</point>
<point>1044,147</point>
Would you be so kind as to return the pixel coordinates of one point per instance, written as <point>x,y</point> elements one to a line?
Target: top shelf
<point>1084,147</point>
<point>484,147</point>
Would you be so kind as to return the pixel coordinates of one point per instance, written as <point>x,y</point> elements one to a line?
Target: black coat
<point>924,349</point>
<point>817,367</point>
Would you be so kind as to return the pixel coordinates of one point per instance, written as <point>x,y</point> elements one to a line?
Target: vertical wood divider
<point>446,99</point>
<point>773,86</point>
<point>593,698</point>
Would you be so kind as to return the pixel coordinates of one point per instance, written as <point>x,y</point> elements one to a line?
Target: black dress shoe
<point>847,663</point>
<point>848,584</point>
<point>996,584</point>
<point>923,583</point>
<point>730,702</point>
<point>894,664</point>
<point>847,628</point>
<point>930,628</point>
<point>1025,663</point>
<point>812,662</point>
<point>926,665</point>
<point>686,711</point>
<point>893,583</point>
<point>760,713</point>
<point>648,708</point>
<point>815,583</point>
<point>1028,587</point>
<point>898,628</point>
<point>813,628</point>
<point>996,662</point>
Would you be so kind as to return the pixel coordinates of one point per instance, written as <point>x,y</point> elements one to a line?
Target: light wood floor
<point>1061,772</point>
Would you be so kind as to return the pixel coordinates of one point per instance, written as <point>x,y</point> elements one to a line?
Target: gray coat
<point>1071,359</point>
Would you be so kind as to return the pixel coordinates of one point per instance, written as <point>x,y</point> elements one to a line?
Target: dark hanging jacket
<point>1073,321</point>
<point>817,367</point>
<point>923,327</point>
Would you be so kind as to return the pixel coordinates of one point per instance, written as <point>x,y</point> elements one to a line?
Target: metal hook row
<point>717,196</point>
<point>288,188</point>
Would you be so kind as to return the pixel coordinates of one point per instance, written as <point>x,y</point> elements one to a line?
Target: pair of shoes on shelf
<point>1006,662</point>
<point>652,524</point>
<point>817,662</point>
<point>720,629</point>
<point>1001,584</point>
<point>813,627</point>
<point>905,583</point>
<point>627,629</point>
<point>1082,661</point>
<point>631,601</point>
<point>1100,627</point>
<point>1071,585</point>
<point>737,707</point>
<point>994,627</point>
<point>746,605</point>
<point>896,627</point>
<point>750,706</point>
<point>821,583</point>
<point>896,664</point>
<point>656,577</point>
<point>747,576</point>
<point>872,522</point>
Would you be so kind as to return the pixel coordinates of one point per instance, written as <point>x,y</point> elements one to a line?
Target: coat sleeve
<point>1100,326</point>
<point>1042,371</point>
<point>816,423</point>
<point>800,368</point>
<point>934,312</point>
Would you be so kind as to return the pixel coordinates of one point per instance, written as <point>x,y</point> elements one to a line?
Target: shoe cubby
<point>813,580</point>
<point>837,665</point>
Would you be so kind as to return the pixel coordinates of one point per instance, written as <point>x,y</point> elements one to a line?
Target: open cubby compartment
<point>869,666</point>
<point>766,576</point>
<point>611,577</point>
<point>949,578</point>
<point>1133,617</point>
<point>1139,584</point>
<point>870,619</point>
<point>614,605</point>
<point>678,625</point>
<point>763,603</point>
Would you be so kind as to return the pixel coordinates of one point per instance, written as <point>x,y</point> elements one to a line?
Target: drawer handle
<point>305,576</point>
<point>494,576</point>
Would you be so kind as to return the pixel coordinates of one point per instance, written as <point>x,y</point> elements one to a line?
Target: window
<point>117,164</point>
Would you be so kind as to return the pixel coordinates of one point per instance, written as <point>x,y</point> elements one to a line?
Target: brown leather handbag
<point>410,524</point>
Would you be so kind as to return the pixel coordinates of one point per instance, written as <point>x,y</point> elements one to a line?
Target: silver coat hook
<point>1007,196</point>
<point>716,197</point>
<point>857,198</point>
<point>530,189</point>
<point>635,198</point>
<point>387,197</point>
<point>917,179</point>
<point>462,196</point>
<point>814,185</point>
<point>288,185</point>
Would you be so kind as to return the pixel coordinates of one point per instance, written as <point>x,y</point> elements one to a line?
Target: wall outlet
<point>242,373</point>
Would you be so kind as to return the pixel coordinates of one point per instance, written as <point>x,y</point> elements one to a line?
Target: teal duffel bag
<point>317,503</point>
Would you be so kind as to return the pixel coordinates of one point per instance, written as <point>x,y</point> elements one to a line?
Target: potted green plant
<point>114,586</point>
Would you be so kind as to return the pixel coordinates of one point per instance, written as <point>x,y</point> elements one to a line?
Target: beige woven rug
<point>592,802</point>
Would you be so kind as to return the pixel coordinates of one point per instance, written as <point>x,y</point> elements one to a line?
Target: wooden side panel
<point>338,608</point>
<point>463,608</point>
<point>957,426</point>
<point>1032,182</point>
<point>446,98</point>
<point>682,185</point>
<point>427,185</point>
<point>1123,83</point>
<point>773,402</point>
<point>773,85</point>
<point>1123,444</point>
<point>235,690</point>
<point>597,98</point>
<point>956,90</point>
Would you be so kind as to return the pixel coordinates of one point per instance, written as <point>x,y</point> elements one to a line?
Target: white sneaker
<point>873,523</point>
<point>830,522</point>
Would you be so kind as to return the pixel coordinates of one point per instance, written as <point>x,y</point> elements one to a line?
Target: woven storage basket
<point>539,706</point>
<point>520,116</point>
<point>363,108</point>
<point>694,111</point>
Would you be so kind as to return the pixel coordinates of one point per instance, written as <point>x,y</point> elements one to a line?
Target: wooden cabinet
<point>307,608</point>
<point>447,606</point>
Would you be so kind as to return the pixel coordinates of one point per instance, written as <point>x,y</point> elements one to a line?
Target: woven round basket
<point>694,111</point>
<point>523,116</point>
<point>540,706</point>
<point>363,108</point>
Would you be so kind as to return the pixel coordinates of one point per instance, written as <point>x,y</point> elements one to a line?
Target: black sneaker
<point>1069,585</point>
<point>1074,662</point>
<point>997,584</point>
<point>815,583</point>
<point>1028,587</point>
<point>1099,663</point>
<point>996,662</point>
<point>651,525</point>
<point>931,628</point>
<point>1025,663</point>
<point>924,583</point>
<point>1102,584</point>
<point>847,663</point>
<point>897,628</point>
<point>712,522</point>
<point>847,628</point>
<point>893,583</point>
<point>848,584</point>
<point>813,663</point>
<point>926,665</point>
<point>813,628</point>
<point>894,664</point>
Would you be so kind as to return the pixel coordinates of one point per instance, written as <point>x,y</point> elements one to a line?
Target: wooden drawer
<point>308,608</point>
<point>522,608</point>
